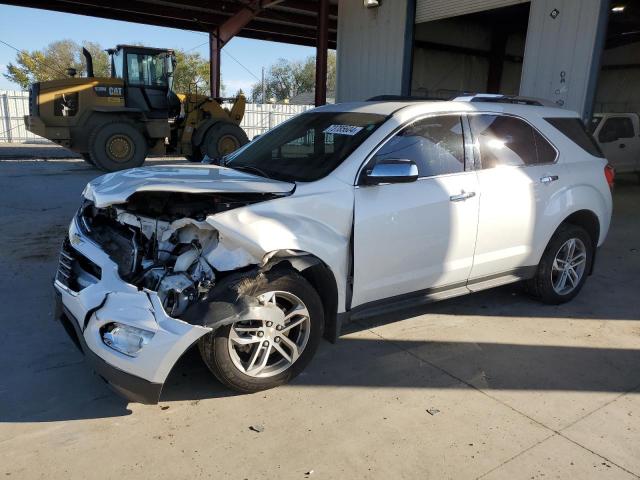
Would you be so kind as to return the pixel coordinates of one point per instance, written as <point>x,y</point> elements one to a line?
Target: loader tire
<point>222,139</point>
<point>117,146</point>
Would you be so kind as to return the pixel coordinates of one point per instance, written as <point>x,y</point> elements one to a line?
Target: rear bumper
<point>131,387</point>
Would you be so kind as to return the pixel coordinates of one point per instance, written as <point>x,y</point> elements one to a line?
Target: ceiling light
<point>618,8</point>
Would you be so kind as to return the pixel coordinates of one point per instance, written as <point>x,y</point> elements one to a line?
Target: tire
<point>195,157</point>
<point>546,285</point>
<point>87,158</point>
<point>221,139</point>
<point>231,363</point>
<point>117,146</point>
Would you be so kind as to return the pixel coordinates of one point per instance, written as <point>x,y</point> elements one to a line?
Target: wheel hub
<point>568,266</point>
<point>227,144</point>
<point>119,148</point>
<point>264,348</point>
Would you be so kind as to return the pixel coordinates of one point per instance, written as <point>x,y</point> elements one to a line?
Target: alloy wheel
<point>262,349</point>
<point>568,266</point>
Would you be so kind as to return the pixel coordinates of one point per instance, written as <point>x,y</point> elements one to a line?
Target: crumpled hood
<point>117,187</point>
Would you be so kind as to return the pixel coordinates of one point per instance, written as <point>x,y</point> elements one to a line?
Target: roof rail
<point>400,98</point>
<point>497,98</point>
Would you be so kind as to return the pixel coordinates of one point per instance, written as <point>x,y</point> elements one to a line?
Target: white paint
<point>407,236</point>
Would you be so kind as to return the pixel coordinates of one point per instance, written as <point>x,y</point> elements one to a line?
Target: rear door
<point>517,177</point>
<point>414,238</point>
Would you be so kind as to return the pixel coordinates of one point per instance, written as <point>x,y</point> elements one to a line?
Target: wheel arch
<point>589,221</point>
<point>320,276</point>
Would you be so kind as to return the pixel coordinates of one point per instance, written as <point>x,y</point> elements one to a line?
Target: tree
<point>191,74</point>
<point>286,78</point>
<point>52,62</point>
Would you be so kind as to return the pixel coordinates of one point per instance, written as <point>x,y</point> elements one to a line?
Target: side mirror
<point>392,171</point>
<point>72,72</point>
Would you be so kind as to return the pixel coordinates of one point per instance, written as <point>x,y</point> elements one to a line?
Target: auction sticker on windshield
<point>343,129</point>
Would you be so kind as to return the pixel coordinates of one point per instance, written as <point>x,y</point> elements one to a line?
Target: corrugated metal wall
<point>371,53</point>
<point>429,10</point>
<point>14,105</point>
<point>258,117</point>
<point>561,55</point>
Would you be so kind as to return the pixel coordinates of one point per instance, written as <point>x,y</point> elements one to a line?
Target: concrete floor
<point>491,385</point>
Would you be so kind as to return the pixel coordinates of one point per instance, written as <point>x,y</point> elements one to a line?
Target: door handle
<point>549,179</point>
<point>622,145</point>
<point>462,196</point>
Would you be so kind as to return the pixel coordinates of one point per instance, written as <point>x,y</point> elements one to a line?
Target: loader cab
<point>148,79</point>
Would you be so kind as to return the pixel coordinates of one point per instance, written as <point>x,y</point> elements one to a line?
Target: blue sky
<point>30,29</point>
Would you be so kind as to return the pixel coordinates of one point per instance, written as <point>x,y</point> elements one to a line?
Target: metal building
<point>580,54</point>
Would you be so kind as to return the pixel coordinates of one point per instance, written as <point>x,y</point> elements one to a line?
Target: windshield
<point>307,147</point>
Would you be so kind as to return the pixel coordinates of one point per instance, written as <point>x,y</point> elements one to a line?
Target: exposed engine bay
<point>161,241</point>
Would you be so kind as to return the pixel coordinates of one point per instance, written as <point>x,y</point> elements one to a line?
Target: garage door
<point>428,10</point>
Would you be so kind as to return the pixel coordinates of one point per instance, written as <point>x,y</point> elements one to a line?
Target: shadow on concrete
<point>72,392</point>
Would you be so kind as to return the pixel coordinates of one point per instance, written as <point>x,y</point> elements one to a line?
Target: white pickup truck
<point>618,135</point>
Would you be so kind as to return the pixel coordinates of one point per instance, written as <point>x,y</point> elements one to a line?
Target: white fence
<point>258,117</point>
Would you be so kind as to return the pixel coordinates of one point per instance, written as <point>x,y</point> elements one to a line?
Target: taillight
<point>610,174</point>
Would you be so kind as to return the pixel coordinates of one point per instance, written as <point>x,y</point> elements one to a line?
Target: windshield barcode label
<point>342,129</point>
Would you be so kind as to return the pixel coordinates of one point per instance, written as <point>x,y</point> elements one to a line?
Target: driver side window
<point>435,144</point>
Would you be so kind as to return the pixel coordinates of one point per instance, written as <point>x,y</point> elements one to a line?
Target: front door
<point>412,237</point>
<point>619,142</point>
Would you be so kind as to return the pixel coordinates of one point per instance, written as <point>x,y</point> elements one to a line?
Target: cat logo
<point>115,91</point>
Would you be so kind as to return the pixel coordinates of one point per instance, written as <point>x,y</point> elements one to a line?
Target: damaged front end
<point>161,242</point>
<point>135,263</point>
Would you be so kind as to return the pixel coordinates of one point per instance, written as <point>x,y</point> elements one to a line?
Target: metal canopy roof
<point>288,21</point>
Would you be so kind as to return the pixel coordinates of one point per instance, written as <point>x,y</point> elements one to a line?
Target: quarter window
<point>435,144</point>
<point>504,140</point>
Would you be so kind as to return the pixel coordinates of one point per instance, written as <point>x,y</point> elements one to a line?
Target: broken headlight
<point>124,338</point>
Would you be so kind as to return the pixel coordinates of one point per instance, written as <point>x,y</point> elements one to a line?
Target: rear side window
<point>504,140</point>
<point>615,128</point>
<point>435,144</point>
<point>574,129</point>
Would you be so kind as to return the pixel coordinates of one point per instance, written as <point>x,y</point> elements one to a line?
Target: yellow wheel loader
<point>114,123</point>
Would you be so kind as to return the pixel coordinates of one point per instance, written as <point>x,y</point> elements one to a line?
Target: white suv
<point>340,212</point>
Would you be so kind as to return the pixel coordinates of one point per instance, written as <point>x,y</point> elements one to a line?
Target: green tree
<point>191,73</point>
<point>286,78</point>
<point>52,62</point>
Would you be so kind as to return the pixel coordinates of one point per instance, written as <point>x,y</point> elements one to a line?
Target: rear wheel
<point>117,146</point>
<point>222,139</point>
<point>253,355</point>
<point>564,267</point>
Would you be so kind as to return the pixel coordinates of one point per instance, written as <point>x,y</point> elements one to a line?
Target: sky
<point>31,29</point>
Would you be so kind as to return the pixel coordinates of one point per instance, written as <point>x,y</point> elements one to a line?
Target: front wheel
<point>564,266</point>
<point>253,355</point>
<point>222,139</point>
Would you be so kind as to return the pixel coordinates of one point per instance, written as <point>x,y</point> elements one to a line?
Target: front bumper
<point>90,303</point>
<point>134,389</point>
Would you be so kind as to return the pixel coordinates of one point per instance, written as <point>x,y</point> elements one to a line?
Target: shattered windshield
<point>307,147</point>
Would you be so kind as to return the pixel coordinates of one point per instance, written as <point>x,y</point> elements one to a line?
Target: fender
<point>561,206</point>
<point>202,129</point>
